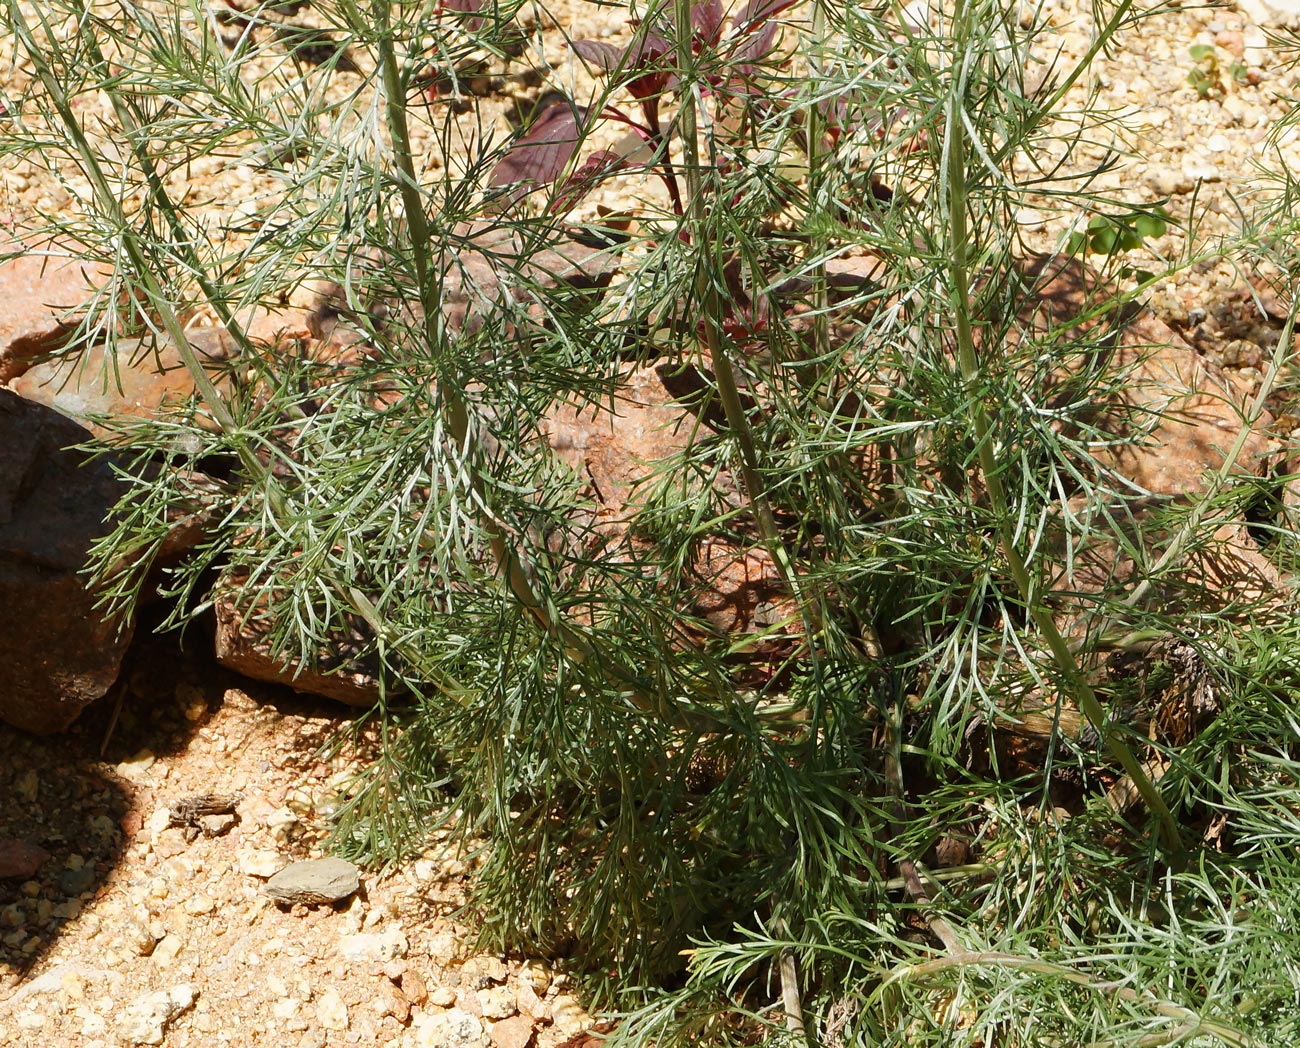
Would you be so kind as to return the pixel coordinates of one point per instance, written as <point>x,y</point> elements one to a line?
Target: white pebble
<point>331,1011</point>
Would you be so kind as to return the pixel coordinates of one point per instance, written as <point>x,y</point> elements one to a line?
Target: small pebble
<point>453,1028</point>
<point>1197,170</point>
<point>516,1032</point>
<point>414,988</point>
<point>74,882</point>
<point>134,768</point>
<point>146,1019</point>
<point>480,970</point>
<point>497,1002</point>
<point>568,1015</point>
<point>20,859</point>
<point>374,946</point>
<point>140,938</point>
<point>199,905</point>
<point>260,863</point>
<point>331,1011</point>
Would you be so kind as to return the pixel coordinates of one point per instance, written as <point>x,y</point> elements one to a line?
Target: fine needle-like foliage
<point>799,223</point>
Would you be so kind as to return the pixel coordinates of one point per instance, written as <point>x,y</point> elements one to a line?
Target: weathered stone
<point>617,448</point>
<point>42,290</point>
<point>146,1019</point>
<point>332,1011</point>
<point>241,645</point>
<point>314,881</point>
<point>57,653</point>
<point>497,1002</point>
<point>20,859</point>
<point>374,946</point>
<point>1175,419</point>
<point>137,379</point>
<point>452,1028</point>
<point>260,862</point>
<point>515,1032</point>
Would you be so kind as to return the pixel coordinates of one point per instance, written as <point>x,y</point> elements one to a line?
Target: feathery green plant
<point>724,834</point>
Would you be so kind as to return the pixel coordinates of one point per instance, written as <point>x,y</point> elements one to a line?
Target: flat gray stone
<point>314,881</point>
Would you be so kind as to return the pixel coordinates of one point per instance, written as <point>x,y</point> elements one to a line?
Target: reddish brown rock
<point>515,1032</point>
<point>615,447</point>
<point>1186,412</point>
<point>140,378</point>
<point>241,645</point>
<point>19,859</point>
<point>1187,418</point>
<point>57,654</point>
<point>137,379</point>
<point>42,289</point>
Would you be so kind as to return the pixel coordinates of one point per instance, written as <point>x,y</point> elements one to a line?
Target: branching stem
<point>956,151</point>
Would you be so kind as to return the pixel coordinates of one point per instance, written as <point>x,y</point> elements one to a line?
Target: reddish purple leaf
<point>586,178</point>
<point>757,11</point>
<point>756,47</point>
<point>605,57</point>
<point>541,154</point>
<point>466,7</point>
<point>706,18</point>
<point>641,53</point>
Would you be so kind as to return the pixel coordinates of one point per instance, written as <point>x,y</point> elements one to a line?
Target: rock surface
<point>146,1020</point>
<point>57,654</point>
<point>1189,418</point>
<point>138,381</point>
<point>240,646</point>
<point>40,290</point>
<point>314,882</point>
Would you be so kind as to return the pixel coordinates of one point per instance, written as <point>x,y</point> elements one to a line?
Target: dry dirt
<point>126,906</point>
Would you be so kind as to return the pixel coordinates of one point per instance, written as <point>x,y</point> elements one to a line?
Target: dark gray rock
<point>314,881</point>
<point>57,653</point>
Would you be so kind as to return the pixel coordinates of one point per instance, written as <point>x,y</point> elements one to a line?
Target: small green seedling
<point>1114,234</point>
<point>1206,76</point>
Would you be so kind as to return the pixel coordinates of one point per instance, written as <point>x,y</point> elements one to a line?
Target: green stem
<point>509,561</point>
<point>110,202</point>
<point>956,150</point>
<point>706,293</point>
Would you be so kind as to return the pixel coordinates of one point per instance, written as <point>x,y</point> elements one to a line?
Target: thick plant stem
<point>956,148</point>
<point>712,308</point>
<point>510,563</point>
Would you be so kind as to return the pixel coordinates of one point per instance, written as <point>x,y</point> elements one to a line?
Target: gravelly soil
<point>127,905</point>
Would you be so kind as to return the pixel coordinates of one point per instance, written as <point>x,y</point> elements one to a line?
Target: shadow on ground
<point>71,795</point>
